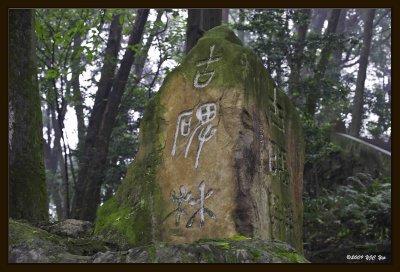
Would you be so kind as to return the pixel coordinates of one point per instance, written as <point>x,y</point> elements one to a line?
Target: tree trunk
<point>53,160</point>
<point>225,15</point>
<point>78,99</point>
<point>58,155</point>
<point>27,183</point>
<point>334,71</point>
<point>358,103</point>
<point>92,167</point>
<point>319,73</point>
<point>51,164</point>
<point>318,19</point>
<point>199,21</point>
<point>337,53</point>
<point>241,33</point>
<point>140,61</point>
<point>103,89</point>
<point>297,60</point>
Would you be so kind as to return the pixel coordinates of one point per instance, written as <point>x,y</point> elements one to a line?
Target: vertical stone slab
<point>229,154</point>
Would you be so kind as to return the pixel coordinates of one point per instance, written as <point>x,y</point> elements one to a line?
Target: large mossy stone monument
<point>221,154</point>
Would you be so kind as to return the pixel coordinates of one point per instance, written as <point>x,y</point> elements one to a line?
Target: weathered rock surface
<point>28,244</point>
<point>235,250</point>
<point>72,228</point>
<point>221,154</point>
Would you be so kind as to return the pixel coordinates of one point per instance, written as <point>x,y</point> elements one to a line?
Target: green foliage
<point>56,30</point>
<point>318,145</point>
<point>378,102</point>
<point>273,34</point>
<point>270,38</point>
<point>355,214</point>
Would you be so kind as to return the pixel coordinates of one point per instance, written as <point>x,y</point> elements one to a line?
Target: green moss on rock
<point>128,218</point>
<point>239,238</point>
<point>222,32</point>
<point>27,243</point>
<point>292,256</point>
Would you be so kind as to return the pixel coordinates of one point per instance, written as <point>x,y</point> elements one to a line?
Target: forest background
<point>98,68</point>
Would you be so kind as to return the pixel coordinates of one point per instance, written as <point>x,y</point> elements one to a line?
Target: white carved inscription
<point>179,201</point>
<point>203,78</point>
<point>278,162</point>
<point>278,113</point>
<point>204,129</point>
<point>281,214</point>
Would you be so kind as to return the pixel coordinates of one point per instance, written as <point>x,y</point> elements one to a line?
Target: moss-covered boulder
<point>221,154</point>
<point>29,244</point>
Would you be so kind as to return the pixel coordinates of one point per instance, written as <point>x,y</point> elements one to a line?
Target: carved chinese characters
<point>179,201</point>
<point>195,126</point>
<point>204,130</point>
<point>278,162</point>
<point>203,78</point>
<point>277,116</point>
<point>281,214</point>
<point>195,202</point>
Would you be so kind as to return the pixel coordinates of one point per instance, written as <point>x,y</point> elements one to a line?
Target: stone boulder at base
<point>72,228</point>
<point>221,154</point>
<point>29,244</point>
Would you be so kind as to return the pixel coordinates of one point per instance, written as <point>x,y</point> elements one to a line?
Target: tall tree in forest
<point>61,34</point>
<point>319,16</point>
<point>27,184</point>
<point>225,15</point>
<point>108,98</point>
<point>79,101</point>
<point>124,137</point>
<point>358,104</point>
<point>140,60</point>
<point>199,21</point>
<point>55,160</point>
<point>296,60</point>
<point>320,68</point>
<point>378,98</point>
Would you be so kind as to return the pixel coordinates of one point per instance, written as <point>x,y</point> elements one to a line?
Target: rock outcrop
<point>28,244</point>
<point>221,154</point>
<point>71,228</point>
